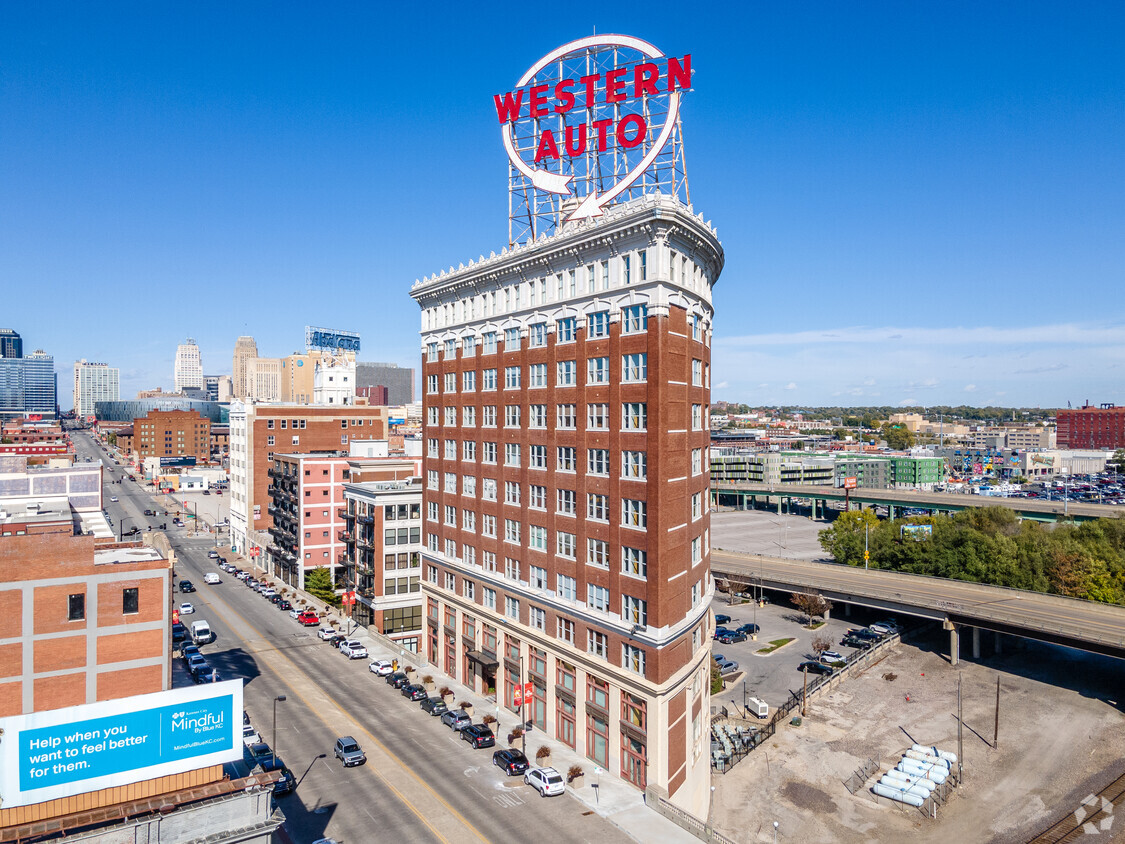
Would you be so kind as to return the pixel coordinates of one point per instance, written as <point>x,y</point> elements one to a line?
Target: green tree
<point>1116,463</point>
<point>112,438</point>
<point>844,540</point>
<point>318,583</point>
<point>716,678</point>
<point>898,437</point>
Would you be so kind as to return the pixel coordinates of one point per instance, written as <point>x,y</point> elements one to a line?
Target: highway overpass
<point>744,494</point>
<point>1099,628</point>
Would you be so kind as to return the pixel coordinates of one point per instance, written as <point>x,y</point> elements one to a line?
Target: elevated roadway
<point>1088,626</point>
<point>746,492</point>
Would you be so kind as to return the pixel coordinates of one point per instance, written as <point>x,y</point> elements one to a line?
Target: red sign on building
<point>521,693</point>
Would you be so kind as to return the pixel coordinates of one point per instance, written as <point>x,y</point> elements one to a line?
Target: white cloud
<point>1063,334</point>
<point>908,403</point>
<point>722,385</point>
<point>970,388</point>
<point>791,386</point>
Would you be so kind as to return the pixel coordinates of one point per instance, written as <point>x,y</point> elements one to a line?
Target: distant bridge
<point>747,493</point>
<point>1088,626</point>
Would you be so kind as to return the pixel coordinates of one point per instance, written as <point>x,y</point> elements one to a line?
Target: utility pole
<point>866,556</point>
<point>960,734</point>
<point>805,692</point>
<point>996,723</point>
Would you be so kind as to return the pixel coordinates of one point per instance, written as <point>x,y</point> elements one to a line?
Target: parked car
<point>815,667</point>
<point>326,633</point>
<point>259,751</point>
<point>211,578</point>
<point>295,613</point>
<point>727,666</point>
<point>719,631</point>
<point>186,586</point>
<point>337,640</point>
<point>850,640</point>
<point>250,735</point>
<point>267,591</point>
<point>353,649</point>
<point>179,632</point>
<point>309,619</point>
<point>748,629</point>
<point>212,555</point>
<point>397,680</point>
<point>547,781</point>
<point>413,691</point>
<point>113,498</point>
<point>349,752</point>
<point>434,705</point>
<point>286,782</point>
<point>380,667</point>
<point>284,605</point>
<point>456,720</point>
<point>478,735</point>
<point>188,651</point>
<point>864,633</point>
<point>722,619</point>
<point>187,608</point>
<point>832,656</point>
<point>731,636</point>
<point>510,761</point>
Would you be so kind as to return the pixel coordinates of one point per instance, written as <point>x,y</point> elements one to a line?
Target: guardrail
<point>703,830</point>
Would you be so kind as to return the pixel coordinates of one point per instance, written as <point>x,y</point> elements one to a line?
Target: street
<point>420,782</point>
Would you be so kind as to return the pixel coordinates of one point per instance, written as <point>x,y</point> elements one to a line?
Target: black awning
<point>482,659</point>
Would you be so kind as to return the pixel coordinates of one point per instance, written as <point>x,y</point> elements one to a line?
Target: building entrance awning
<point>482,659</point>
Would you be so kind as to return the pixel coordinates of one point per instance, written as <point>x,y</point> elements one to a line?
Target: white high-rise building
<point>94,382</point>
<point>189,366</point>
<point>244,349</point>
<point>334,379</point>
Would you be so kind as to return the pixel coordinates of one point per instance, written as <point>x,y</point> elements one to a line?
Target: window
<point>537,575</point>
<point>634,319</point>
<point>597,644</point>
<point>270,439</point>
<point>469,381</point>
<point>450,578</point>
<point>537,375</point>
<point>130,600</point>
<point>511,492</point>
<point>597,461</point>
<point>597,553</point>
<point>566,371</point>
<point>512,568</point>
<point>470,555</point>
<point>451,449</point>
<point>451,382</point>
<point>597,598</point>
<point>451,482</point>
<point>488,416</point>
<point>597,371</point>
<point>565,417</point>
<point>451,515</point>
<point>488,452</point>
<point>488,525</point>
<point>468,347</point>
<point>469,450</point>
<point>431,479</point>
<point>469,589</point>
<point>634,465</point>
<point>565,587</point>
<point>538,458</point>
<point>537,335</point>
<point>469,485</point>
<point>511,607</point>
<point>488,561</point>
<point>696,327</point>
<point>597,417</point>
<point>511,377</point>
<point>697,373</point>
<point>512,531</point>
<point>566,634</point>
<point>431,356</point>
<point>488,598</point>
<point>511,416</point>
<point>511,339</point>
<point>565,500</point>
<point>697,461</point>
<point>432,447</point>
<point>432,416</point>
<point>634,368</point>
<point>450,417</point>
<point>488,489</point>
<point>489,379</point>
<point>597,325</point>
<point>511,454</point>
<point>634,513</point>
<point>634,610</point>
<point>697,417</point>
<point>450,349</point>
<point>634,416</point>
<point>431,383</point>
<point>488,342</point>
<point>565,544</point>
<point>696,592</point>
<point>431,511</point>
<point>537,416</point>
<point>634,562</point>
<point>567,458</point>
<point>627,269</point>
<point>696,505</point>
<point>296,439</point>
<point>597,507</point>
<point>696,551</point>
<point>537,618</point>
<point>564,330</point>
<point>633,659</point>
<point>537,497</point>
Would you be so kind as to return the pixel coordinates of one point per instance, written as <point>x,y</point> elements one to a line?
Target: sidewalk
<point>607,795</point>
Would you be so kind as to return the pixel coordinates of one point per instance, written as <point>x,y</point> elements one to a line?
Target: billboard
<point>331,339</point>
<point>63,752</point>
<point>916,533</point>
<point>177,461</point>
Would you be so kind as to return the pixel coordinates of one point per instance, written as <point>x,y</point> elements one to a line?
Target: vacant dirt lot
<point>1062,736</point>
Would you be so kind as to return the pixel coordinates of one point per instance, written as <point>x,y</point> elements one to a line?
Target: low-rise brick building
<point>172,433</point>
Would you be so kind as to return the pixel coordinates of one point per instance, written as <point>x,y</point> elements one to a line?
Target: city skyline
<point>917,208</point>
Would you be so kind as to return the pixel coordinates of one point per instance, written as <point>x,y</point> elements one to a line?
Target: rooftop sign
<point>331,339</point>
<point>588,123</point>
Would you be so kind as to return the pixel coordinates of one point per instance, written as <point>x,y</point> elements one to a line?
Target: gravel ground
<point>1062,736</point>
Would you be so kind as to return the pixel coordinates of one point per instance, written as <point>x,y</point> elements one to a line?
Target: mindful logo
<point>197,723</point>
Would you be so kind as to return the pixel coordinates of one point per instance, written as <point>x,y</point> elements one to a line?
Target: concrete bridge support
<point>954,641</point>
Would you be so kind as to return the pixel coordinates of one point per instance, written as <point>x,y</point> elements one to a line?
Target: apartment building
<point>566,386</point>
<point>261,432</point>
<point>172,433</point>
<point>1092,427</point>
<point>94,382</point>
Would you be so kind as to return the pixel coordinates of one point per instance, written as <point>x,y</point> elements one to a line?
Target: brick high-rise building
<point>1091,427</point>
<point>566,385</point>
<point>172,433</point>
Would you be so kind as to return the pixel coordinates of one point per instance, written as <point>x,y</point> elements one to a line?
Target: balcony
<point>273,473</point>
<point>345,536</point>
<point>343,513</point>
<point>367,520</point>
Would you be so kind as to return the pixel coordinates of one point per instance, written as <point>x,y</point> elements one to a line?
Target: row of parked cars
<point>859,638</point>
<point>547,781</point>
<point>262,756</point>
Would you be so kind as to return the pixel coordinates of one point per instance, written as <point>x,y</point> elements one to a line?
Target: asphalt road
<point>420,784</point>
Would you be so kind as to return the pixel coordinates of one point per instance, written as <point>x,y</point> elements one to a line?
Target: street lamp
<point>273,754</point>
<point>121,527</point>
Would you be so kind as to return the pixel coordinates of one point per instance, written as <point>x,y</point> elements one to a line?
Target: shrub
<point>573,772</point>
<point>465,704</point>
<point>488,719</point>
<point>429,678</point>
<point>543,752</point>
<point>517,732</point>
<point>445,690</point>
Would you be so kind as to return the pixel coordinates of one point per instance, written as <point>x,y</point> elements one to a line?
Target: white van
<point>201,632</point>
<point>758,708</point>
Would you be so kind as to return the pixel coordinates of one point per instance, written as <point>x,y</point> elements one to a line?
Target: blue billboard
<point>63,752</point>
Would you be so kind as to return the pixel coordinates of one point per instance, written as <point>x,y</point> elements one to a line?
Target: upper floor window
<point>566,372</point>
<point>488,343</point>
<point>450,349</point>
<point>511,378</point>
<point>564,330</point>
<point>431,352</point>
<point>634,319</point>
<point>468,346</point>
<point>511,339</point>
<point>537,335</point>
<point>597,325</point>
<point>634,368</point>
<point>597,371</point>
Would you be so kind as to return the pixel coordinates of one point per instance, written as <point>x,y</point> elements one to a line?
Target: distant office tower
<point>399,380</point>
<point>28,385</point>
<point>244,349</point>
<point>11,344</point>
<point>189,367</point>
<point>211,387</point>
<point>94,382</point>
<point>263,379</point>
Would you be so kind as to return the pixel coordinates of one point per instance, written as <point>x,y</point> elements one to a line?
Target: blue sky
<point>919,203</point>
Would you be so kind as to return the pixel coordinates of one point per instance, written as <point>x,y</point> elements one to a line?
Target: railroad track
<point>1095,814</point>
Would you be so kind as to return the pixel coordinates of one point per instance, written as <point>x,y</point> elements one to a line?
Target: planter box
<point>469,710</point>
<point>578,781</point>
<point>448,699</point>
<point>543,762</point>
<point>412,676</point>
<point>516,742</point>
<point>429,687</point>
